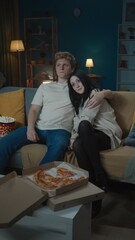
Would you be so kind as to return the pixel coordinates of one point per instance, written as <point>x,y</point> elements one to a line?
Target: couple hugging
<point>68,112</point>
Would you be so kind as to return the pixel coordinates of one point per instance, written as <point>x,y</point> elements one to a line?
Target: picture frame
<point>128,12</point>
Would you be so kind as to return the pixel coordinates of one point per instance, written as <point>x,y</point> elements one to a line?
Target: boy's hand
<point>32,135</point>
<point>95,99</point>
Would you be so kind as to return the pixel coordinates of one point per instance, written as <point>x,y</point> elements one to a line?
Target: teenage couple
<point>68,112</point>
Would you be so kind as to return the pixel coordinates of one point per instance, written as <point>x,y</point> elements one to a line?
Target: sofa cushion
<point>124,107</point>
<point>28,96</point>
<point>32,154</point>
<point>12,105</point>
<point>116,161</point>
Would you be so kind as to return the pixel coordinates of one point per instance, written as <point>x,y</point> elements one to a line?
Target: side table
<point>69,224</point>
<point>63,217</point>
<point>96,79</point>
<point>95,76</point>
<point>73,223</point>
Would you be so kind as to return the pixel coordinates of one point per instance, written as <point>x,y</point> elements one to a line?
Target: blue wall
<point>91,35</point>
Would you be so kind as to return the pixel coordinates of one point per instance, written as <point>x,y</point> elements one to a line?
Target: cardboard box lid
<point>18,197</point>
<point>82,195</point>
<point>60,190</point>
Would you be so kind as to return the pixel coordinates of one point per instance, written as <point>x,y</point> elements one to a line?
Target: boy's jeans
<point>57,142</point>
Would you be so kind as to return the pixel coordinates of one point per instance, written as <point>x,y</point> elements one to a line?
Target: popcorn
<point>7,124</point>
<point>5,119</point>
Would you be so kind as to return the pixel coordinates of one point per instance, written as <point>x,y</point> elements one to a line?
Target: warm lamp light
<point>89,63</point>
<point>17,46</point>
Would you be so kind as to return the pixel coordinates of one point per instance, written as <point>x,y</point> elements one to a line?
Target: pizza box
<point>83,195</point>
<point>18,197</point>
<point>29,173</point>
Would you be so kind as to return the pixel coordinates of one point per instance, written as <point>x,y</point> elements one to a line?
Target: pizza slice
<point>44,180</point>
<point>64,172</point>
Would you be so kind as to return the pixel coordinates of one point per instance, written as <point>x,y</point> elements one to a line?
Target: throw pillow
<point>130,140</point>
<point>12,105</point>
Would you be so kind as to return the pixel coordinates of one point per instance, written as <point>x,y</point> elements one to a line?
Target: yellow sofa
<point>115,162</point>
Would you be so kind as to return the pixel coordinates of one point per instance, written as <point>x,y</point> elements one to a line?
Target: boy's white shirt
<point>102,118</point>
<point>57,111</point>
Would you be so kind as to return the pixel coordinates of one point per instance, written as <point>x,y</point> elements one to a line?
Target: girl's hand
<point>69,147</point>
<point>72,139</point>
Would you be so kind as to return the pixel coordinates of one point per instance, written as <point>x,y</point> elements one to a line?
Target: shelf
<point>36,64</point>
<point>125,83</point>
<point>126,57</point>
<point>126,54</point>
<point>126,69</point>
<point>38,34</point>
<point>124,39</point>
<point>41,45</point>
<point>34,49</point>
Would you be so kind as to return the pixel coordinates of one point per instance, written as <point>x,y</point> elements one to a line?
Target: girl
<point>94,129</point>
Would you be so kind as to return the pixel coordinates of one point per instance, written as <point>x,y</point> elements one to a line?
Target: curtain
<point>9,30</point>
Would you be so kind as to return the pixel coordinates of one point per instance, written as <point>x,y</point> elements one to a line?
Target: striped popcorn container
<point>7,124</point>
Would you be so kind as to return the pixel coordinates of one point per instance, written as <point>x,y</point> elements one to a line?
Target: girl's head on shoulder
<point>79,88</point>
<point>79,82</point>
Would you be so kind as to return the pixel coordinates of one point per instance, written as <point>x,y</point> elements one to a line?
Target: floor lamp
<point>17,46</point>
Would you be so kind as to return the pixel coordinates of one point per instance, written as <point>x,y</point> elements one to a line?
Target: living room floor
<point>117,217</point>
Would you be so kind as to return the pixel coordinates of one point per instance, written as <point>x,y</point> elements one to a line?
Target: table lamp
<point>17,46</point>
<point>89,63</point>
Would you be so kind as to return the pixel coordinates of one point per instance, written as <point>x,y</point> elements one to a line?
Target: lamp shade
<point>89,63</point>
<point>16,46</point>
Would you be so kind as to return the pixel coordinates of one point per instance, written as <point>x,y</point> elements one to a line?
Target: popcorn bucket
<point>7,124</point>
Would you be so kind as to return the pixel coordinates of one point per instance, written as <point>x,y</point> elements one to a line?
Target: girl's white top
<point>102,117</point>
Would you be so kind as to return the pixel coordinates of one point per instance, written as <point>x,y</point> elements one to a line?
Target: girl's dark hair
<point>78,99</point>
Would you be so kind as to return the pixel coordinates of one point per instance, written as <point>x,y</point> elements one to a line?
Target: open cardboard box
<point>71,195</point>
<point>82,195</point>
<point>18,197</point>
<point>28,173</point>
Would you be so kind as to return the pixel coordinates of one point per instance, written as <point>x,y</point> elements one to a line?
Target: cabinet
<point>126,58</point>
<point>95,79</point>
<point>40,45</point>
